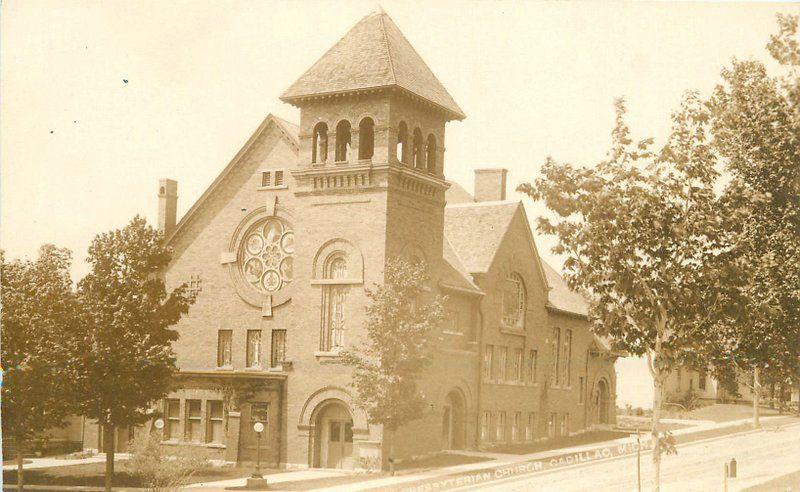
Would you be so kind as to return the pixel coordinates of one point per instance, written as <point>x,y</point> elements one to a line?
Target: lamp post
<point>257,479</point>
<point>259,428</point>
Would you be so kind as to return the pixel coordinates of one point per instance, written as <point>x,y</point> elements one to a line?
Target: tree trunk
<point>20,461</point>
<point>658,389</point>
<point>108,447</point>
<point>756,396</point>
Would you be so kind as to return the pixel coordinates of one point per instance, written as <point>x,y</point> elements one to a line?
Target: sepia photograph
<point>402,246</point>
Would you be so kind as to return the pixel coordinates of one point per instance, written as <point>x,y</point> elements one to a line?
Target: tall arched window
<point>319,152</point>
<point>514,302</point>
<point>334,296</point>
<point>342,141</point>
<point>430,152</point>
<point>402,143</point>
<point>418,162</point>
<point>366,138</point>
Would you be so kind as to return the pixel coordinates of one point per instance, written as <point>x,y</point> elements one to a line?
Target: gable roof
<point>476,230</point>
<point>373,54</point>
<point>288,132</point>
<point>455,273</point>
<point>457,194</point>
<point>561,296</point>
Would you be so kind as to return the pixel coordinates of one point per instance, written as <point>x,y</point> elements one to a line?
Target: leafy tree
<point>756,127</point>
<point>638,230</point>
<point>127,361</point>
<point>39,316</point>
<point>387,366</point>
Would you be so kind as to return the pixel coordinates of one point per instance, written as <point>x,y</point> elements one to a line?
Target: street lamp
<point>259,428</point>
<point>257,479</point>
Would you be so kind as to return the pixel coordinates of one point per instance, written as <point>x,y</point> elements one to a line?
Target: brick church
<point>282,244</point>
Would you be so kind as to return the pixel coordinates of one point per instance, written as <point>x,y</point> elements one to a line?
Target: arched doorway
<point>454,421</point>
<point>604,398</point>
<point>333,436</point>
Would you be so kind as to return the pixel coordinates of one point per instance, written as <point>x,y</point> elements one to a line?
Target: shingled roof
<point>373,54</point>
<point>476,229</point>
<point>561,296</point>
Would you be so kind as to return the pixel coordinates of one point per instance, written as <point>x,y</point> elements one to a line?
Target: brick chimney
<point>167,205</point>
<point>490,185</point>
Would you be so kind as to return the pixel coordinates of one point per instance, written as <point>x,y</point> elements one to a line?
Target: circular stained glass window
<point>265,256</point>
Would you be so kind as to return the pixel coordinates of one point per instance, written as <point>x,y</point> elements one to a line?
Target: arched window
<point>342,141</point>
<point>334,296</point>
<point>366,138</point>
<point>418,162</point>
<point>402,143</point>
<point>430,152</point>
<point>319,152</point>
<point>514,302</point>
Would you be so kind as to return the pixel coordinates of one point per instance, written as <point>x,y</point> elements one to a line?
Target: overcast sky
<point>101,99</point>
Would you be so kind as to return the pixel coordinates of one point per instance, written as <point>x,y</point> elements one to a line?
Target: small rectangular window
<point>564,431</point>
<point>253,348</point>
<point>486,422</point>
<point>551,425</point>
<point>500,434</point>
<point>266,178</point>
<point>348,432</point>
<point>502,363</point>
<point>214,430</point>
<point>172,412</point>
<point>701,382</point>
<point>278,347</point>
<point>517,364</point>
<point>278,178</point>
<point>531,366</point>
<point>515,426</point>
<point>194,429</point>
<point>488,351</point>
<point>224,340</point>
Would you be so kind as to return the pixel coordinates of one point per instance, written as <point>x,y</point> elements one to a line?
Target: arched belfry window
<point>418,162</point>
<point>366,138</point>
<point>514,302</point>
<point>430,152</point>
<point>334,296</point>
<point>343,141</point>
<point>402,143</point>
<point>320,149</point>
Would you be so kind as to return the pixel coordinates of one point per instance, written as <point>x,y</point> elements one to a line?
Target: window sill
<point>454,333</point>
<point>254,369</point>
<point>328,357</point>
<point>268,188</point>
<point>520,332</point>
<point>224,368</point>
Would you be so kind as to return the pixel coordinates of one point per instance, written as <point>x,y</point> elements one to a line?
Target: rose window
<point>266,255</point>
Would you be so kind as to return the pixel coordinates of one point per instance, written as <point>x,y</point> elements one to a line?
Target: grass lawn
<point>786,482</point>
<point>727,412</point>
<point>93,475</point>
<point>439,461</point>
<point>578,440</point>
<point>629,423</point>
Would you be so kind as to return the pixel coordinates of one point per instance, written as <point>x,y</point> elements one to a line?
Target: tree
<point>128,361</point>
<point>756,128</point>
<point>638,230</point>
<point>39,316</point>
<point>387,366</point>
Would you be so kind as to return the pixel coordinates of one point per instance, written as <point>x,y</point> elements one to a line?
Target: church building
<point>282,245</point>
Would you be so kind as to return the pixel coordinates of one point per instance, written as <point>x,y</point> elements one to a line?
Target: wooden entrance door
<point>340,443</point>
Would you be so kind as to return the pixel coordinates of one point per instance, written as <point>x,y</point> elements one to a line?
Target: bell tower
<point>372,128</point>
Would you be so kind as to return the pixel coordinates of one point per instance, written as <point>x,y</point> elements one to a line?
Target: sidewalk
<point>53,462</point>
<point>274,478</point>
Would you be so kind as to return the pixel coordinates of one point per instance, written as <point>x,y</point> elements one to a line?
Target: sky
<point>101,99</point>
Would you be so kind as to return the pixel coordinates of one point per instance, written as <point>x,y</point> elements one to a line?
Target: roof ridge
<point>383,15</point>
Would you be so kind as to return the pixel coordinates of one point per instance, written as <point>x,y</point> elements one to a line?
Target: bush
<point>159,470</point>
<point>688,400</point>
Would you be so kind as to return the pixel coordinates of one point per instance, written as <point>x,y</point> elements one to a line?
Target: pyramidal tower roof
<point>374,54</point>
